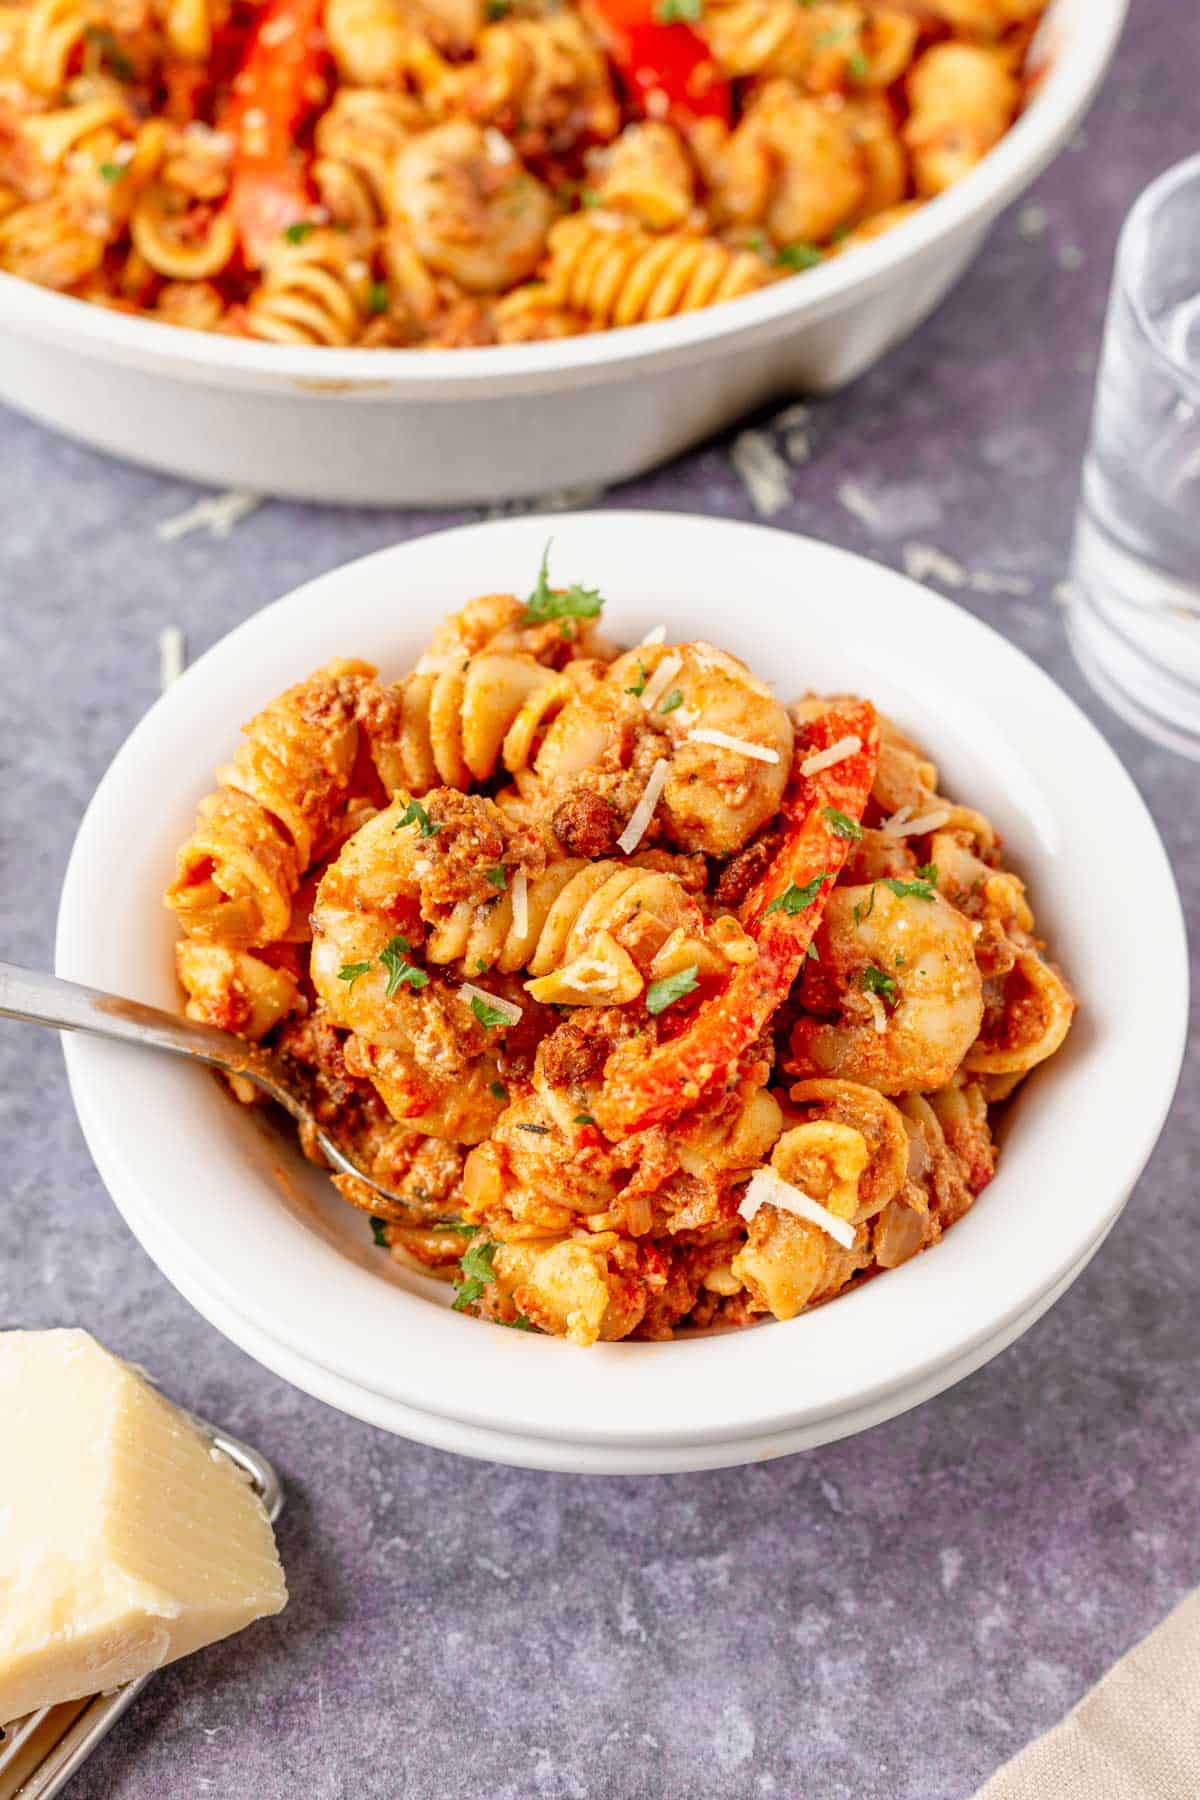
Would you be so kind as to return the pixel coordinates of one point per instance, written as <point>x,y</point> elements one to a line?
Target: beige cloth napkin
<point>1136,1736</point>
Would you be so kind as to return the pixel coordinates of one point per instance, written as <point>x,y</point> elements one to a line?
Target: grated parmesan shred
<point>661,680</point>
<point>766,1188</point>
<point>512,1012</point>
<point>836,753</point>
<point>757,752</point>
<point>878,1013</point>
<point>643,812</point>
<point>657,636</point>
<point>930,821</point>
<point>520,903</point>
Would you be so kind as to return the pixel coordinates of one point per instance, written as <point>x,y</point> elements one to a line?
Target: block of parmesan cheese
<point>126,1538</point>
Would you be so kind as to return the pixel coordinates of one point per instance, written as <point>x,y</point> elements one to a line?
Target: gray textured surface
<point>889,1617</point>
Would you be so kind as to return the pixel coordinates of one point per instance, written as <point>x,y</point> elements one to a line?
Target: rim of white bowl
<point>1019,748</point>
<point>1082,37</point>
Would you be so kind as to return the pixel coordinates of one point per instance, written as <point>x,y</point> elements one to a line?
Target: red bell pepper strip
<point>666,66</point>
<point>781,913</point>
<point>280,83</point>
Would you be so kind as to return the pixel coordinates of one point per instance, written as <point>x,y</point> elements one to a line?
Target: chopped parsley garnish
<point>795,899</point>
<point>876,982</point>
<point>496,9</point>
<point>477,1272</point>
<point>923,888</point>
<point>377,297</point>
<point>928,872</point>
<point>858,66</point>
<point>583,1119</point>
<point>110,171</point>
<point>539,1130</point>
<point>350,972</point>
<point>673,699</point>
<point>589,197</point>
<point>679,12</point>
<point>664,993</point>
<point>394,957</point>
<point>496,878</point>
<point>298,230</point>
<point>111,52</point>
<point>488,1015</point>
<point>799,256</point>
<point>520,1323</point>
<point>455,1225</point>
<point>639,686</point>
<point>498,1090</point>
<point>415,814</point>
<point>842,825</point>
<point>377,1232</point>
<point>574,602</point>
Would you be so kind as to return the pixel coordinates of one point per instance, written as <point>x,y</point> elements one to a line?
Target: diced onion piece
<point>661,680</point>
<point>766,1188</point>
<point>643,812</point>
<point>520,903</point>
<point>836,753</point>
<point>930,821</point>
<point>657,636</point>
<point>706,734</point>
<point>512,1012</point>
<point>878,1012</point>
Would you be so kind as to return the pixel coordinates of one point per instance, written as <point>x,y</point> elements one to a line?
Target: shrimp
<point>472,208</point>
<point>646,1086</point>
<point>895,997</point>
<point>649,706</point>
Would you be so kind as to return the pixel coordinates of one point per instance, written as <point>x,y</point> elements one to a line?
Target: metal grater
<point>39,1754</point>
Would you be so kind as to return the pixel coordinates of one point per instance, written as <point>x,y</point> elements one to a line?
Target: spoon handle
<point>41,999</point>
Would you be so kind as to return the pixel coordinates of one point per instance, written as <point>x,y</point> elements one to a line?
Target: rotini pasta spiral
<point>545,82</point>
<point>357,142</point>
<point>618,275</point>
<point>54,31</point>
<point>280,802</point>
<point>314,291</point>
<point>462,723</point>
<point>649,174</point>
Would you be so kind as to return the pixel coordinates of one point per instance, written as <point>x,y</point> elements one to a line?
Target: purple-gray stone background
<point>887,1618</point>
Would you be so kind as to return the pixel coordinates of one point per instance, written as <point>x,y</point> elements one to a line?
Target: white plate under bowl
<point>276,1246</point>
<point>402,427</point>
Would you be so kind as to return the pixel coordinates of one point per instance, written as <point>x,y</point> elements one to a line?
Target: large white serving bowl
<point>239,1217</point>
<point>407,427</point>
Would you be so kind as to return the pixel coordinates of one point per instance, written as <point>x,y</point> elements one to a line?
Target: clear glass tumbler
<point>1135,608</point>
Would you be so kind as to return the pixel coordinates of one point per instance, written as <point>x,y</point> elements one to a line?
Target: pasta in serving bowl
<point>488,192</point>
<point>577,1133</point>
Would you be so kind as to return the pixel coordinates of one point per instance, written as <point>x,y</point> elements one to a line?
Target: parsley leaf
<point>498,1090</point>
<point>377,297</point>
<point>394,957</point>
<point>574,602</point>
<point>455,1225</point>
<point>876,982</point>
<point>679,12</point>
<point>415,814</point>
<point>858,66</point>
<point>799,256</point>
<point>350,972</point>
<point>496,9</point>
<point>496,877</point>
<point>298,230</point>
<point>664,993</point>
<point>795,899</point>
<point>377,1232</point>
<point>639,686</point>
<point>111,51</point>
<point>673,699</point>
<point>110,171</point>
<point>842,825</point>
<point>920,889</point>
<point>520,1323</point>
<point>583,1119</point>
<point>477,1272</point>
<point>487,1015</point>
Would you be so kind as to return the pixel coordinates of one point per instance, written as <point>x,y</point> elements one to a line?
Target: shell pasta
<point>650,1001</point>
<point>447,173</point>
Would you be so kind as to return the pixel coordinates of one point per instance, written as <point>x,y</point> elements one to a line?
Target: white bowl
<point>406,427</point>
<point>233,1213</point>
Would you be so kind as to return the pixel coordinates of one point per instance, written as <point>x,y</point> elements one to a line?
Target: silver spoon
<point>65,1006</point>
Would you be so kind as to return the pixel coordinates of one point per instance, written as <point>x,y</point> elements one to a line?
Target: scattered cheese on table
<point>126,1538</point>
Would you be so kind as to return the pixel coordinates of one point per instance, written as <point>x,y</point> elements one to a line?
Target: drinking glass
<point>1134,615</point>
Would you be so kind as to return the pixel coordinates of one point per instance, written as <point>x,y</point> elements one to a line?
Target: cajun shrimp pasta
<point>458,172</point>
<point>651,1001</point>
